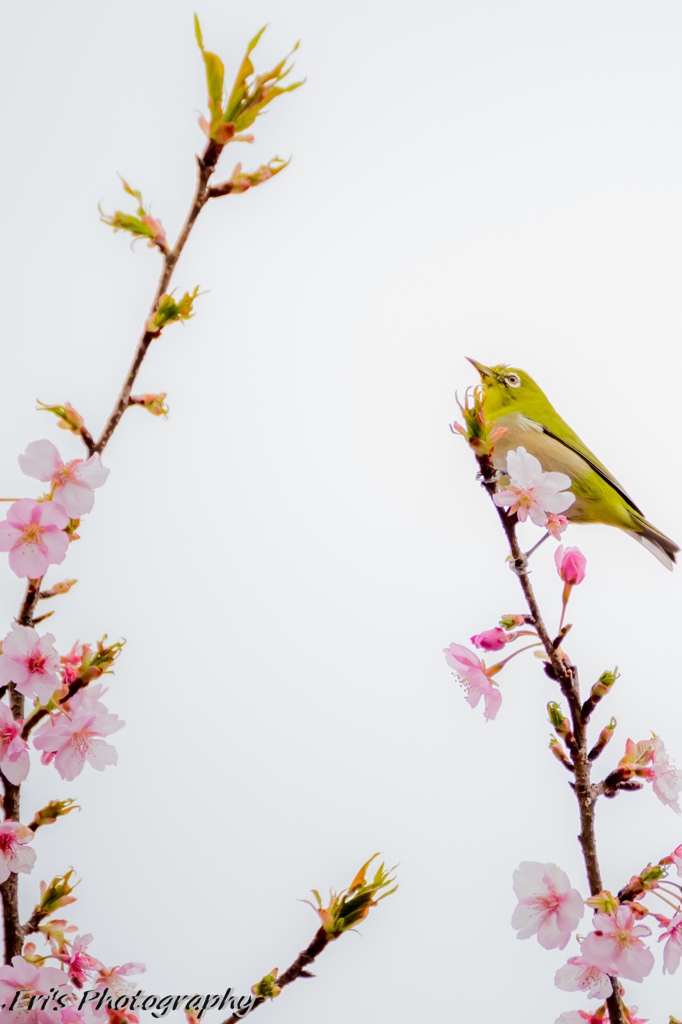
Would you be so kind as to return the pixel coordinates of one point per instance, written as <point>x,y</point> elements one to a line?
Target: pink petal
<point>92,472</point>
<point>16,771</point>
<point>101,754</point>
<point>523,469</point>
<point>77,498</point>
<point>526,920</point>
<point>51,513</point>
<point>461,658</point>
<point>28,562</point>
<point>20,512</point>
<point>55,544</point>
<point>550,483</point>
<point>40,460</point>
<point>557,502</point>
<point>8,535</point>
<point>537,514</point>
<point>69,762</point>
<point>551,936</point>
<point>23,860</point>
<point>493,702</point>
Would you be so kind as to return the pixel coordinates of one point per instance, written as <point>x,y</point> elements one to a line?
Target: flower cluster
<point>615,947</point>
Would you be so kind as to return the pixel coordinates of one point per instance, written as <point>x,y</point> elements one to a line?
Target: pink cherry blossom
<point>667,780</point>
<point>33,533</point>
<point>30,662</point>
<point>570,565</point>
<point>583,1016</point>
<point>79,964</point>
<point>14,760</point>
<point>70,742</point>
<point>673,947</point>
<point>556,525</point>
<point>615,946</point>
<point>115,978</point>
<point>472,673</point>
<point>530,491</point>
<point>14,856</point>
<point>548,906</point>
<point>676,859</point>
<point>578,975</point>
<point>27,977</point>
<point>72,482</point>
<point>492,639</point>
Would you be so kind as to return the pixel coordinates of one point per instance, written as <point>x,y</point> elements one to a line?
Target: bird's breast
<point>554,456</point>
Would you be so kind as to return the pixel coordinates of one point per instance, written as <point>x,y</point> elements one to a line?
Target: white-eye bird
<point>513,400</point>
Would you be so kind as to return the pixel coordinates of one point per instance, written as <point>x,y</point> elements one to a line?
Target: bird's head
<point>507,389</point>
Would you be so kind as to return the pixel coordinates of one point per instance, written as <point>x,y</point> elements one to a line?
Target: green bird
<point>513,400</point>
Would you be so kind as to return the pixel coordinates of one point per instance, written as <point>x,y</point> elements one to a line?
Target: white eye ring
<point>513,380</point>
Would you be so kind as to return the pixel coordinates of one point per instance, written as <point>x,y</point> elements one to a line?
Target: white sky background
<point>288,554</point>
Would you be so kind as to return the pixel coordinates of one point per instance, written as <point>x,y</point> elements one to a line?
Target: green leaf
<point>238,89</point>
<point>215,74</point>
<point>197,33</point>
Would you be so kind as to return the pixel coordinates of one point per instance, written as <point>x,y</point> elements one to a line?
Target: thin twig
<point>320,940</point>
<point>206,164</point>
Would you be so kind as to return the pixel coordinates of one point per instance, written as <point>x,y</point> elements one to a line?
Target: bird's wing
<point>576,445</point>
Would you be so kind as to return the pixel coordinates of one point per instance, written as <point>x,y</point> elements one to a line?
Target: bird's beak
<point>484,371</point>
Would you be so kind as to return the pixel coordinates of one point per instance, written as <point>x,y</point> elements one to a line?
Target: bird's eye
<point>512,379</point>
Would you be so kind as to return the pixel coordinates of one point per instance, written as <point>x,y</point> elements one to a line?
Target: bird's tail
<point>662,547</point>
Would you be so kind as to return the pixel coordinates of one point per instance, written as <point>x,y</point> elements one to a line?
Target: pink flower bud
<point>570,564</point>
<point>492,639</point>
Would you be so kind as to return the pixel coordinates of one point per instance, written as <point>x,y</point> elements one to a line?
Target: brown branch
<point>206,164</point>
<point>298,968</point>
<point>14,932</point>
<point>566,675</point>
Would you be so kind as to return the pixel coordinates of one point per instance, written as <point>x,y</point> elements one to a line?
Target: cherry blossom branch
<point>345,910</point>
<point>250,94</point>
<point>14,933</point>
<point>565,674</point>
<point>206,166</point>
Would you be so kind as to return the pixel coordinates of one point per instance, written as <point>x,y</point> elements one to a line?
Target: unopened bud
<point>59,588</point>
<point>155,404</point>
<point>604,684</point>
<point>267,987</point>
<point>560,723</point>
<point>604,738</point>
<point>559,752</point>
<point>69,419</point>
<point>510,621</point>
<point>604,902</point>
